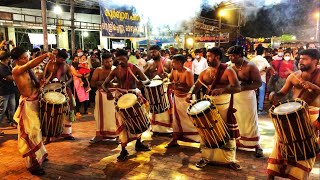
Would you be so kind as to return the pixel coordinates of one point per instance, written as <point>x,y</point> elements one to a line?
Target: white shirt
<point>262,65</point>
<point>141,63</point>
<point>199,66</point>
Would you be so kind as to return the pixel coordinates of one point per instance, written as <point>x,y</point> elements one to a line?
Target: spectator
<point>7,95</point>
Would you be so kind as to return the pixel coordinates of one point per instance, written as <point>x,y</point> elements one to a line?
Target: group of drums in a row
<point>292,119</point>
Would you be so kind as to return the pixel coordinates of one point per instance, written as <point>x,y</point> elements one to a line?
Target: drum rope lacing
<point>282,136</point>
<point>221,127</point>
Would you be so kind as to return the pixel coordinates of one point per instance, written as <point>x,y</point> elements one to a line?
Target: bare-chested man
<point>27,115</point>
<point>160,66</point>
<point>247,116</point>
<point>104,111</point>
<point>59,70</point>
<point>305,84</point>
<point>126,73</point>
<point>182,79</point>
<point>221,81</point>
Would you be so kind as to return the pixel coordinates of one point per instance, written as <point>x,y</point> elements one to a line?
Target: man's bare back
<point>183,80</point>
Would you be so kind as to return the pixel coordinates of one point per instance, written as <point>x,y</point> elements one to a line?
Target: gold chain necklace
<point>239,69</point>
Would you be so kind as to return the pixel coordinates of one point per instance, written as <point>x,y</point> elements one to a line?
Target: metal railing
<point>34,20</point>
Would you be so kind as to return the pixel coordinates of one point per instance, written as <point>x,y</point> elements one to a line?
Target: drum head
<point>199,107</point>
<point>54,97</point>
<point>155,83</point>
<point>127,100</point>
<point>52,86</point>
<point>287,108</point>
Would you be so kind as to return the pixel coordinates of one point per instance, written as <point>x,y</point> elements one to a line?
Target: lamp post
<point>221,13</point>
<point>317,15</point>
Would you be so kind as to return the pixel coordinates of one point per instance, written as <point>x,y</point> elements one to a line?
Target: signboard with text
<point>224,38</point>
<point>120,20</point>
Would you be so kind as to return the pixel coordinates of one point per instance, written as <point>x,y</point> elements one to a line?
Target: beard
<point>213,63</point>
<point>304,67</point>
<point>156,57</point>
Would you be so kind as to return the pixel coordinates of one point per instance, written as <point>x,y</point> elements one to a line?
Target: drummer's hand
<point>272,99</point>
<point>307,85</point>
<point>139,84</point>
<point>189,98</point>
<point>216,92</point>
<point>110,96</point>
<point>50,56</point>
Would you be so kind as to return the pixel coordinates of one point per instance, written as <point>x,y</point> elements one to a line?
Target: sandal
<point>259,153</point>
<point>202,163</point>
<point>123,156</point>
<point>235,166</point>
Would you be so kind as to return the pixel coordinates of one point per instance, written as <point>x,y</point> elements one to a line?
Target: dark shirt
<point>6,86</point>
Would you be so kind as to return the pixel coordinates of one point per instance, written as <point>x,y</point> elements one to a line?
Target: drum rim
<point>212,106</point>
<point>128,92</point>
<point>149,85</point>
<point>303,105</point>
<point>41,97</point>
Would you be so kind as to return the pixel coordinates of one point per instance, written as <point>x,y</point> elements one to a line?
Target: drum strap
<point>314,76</point>
<point>232,121</point>
<point>34,78</point>
<point>161,65</point>
<point>127,83</point>
<point>221,70</point>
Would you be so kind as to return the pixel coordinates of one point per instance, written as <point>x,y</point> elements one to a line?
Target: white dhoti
<point>29,133</point>
<point>227,153</point>
<point>162,122</point>
<point>247,117</point>
<point>183,128</point>
<point>105,116</point>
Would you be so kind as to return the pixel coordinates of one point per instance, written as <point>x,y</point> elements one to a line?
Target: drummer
<point>182,79</point>
<point>159,67</point>
<point>27,115</point>
<point>124,74</point>
<point>59,70</point>
<point>221,81</point>
<point>305,84</point>
<point>104,111</point>
<point>247,118</point>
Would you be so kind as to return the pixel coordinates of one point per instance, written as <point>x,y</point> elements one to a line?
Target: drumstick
<point>202,83</point>
<point>133,75</point>
<point>300,81</point>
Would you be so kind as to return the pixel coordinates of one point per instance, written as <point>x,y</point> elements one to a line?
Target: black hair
<point>179,57</point>
<point>107,55</point>
<point>62,54</point>
<point>4,55</point>
<point>236,50</point>
<point>155,47</point>
<point>17,52</point>
<point>113,50</point>
<point>260,49</point>
<point>121,52</point>
<point>197,51</point>
<point>216,51</point>
<point>308,44</point>
<point>313,53</point>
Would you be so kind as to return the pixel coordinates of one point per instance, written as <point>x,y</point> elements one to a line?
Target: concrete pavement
<point>81,160</point>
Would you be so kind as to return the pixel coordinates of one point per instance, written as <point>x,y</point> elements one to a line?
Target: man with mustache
<point>247,118</point>
<point>305,84</point>
<point>159,66</point>
<point>221,82</point>
<point>124,73</point>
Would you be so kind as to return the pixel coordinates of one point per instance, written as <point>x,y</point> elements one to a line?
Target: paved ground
<point>81,160</point>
